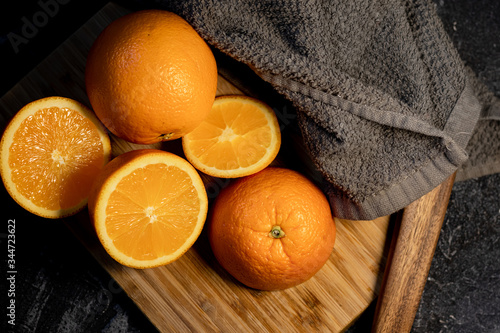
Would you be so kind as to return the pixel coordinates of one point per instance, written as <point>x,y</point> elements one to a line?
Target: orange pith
<point>161,209</point>
<point>240,136</point>
<point>52,150</point>
<point>148,207</point>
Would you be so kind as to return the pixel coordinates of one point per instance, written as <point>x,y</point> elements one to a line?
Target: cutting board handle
<point>409,260</point>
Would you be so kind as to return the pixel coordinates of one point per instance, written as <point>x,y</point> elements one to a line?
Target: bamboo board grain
<point>194,294</point>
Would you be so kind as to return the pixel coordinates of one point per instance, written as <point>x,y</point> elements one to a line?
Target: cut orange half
<point>51,152</point>
<point>240,137</point>
<point>148,207</point>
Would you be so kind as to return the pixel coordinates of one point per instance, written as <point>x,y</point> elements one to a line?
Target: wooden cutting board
<point>194,294</point>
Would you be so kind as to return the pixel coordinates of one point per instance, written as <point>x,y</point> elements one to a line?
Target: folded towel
<point>386,107</point>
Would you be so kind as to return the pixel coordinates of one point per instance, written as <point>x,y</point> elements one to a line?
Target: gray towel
<point>386,107</point>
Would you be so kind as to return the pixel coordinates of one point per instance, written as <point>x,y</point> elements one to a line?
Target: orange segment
<point>241,136</point>
<point>51,152</point>
<point>148,207</point>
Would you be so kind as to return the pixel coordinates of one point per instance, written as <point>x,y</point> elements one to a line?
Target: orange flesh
<point>50,166</point>
<point>229,140</point>
<point>147,217</point>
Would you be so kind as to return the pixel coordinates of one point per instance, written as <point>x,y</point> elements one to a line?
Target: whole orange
<point>272,230</point>
<point>150,77</point>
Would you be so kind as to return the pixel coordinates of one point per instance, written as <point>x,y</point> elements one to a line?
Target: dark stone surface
<point>60,288</point>
<point>474,28</point>
<point>462,293</point>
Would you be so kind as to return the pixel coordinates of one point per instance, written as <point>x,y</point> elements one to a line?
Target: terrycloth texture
<point>384,103</point>
<point>484,145</point>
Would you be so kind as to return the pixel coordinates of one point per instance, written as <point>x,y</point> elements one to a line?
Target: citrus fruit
<point>51,152</point>
<point>240,136</point>
<point>148,207</point>
<point>272,230</point>
<point>150,77</point>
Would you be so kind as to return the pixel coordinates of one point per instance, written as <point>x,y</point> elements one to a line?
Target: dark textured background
<point>61,288</point>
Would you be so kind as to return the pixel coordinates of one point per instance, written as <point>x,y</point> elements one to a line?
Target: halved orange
<point>148,207</point>
<point>240,137</point>
<point>51,152</point>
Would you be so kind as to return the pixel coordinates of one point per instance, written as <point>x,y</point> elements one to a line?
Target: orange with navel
<point>272,230</point>
<point>150,77</point>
